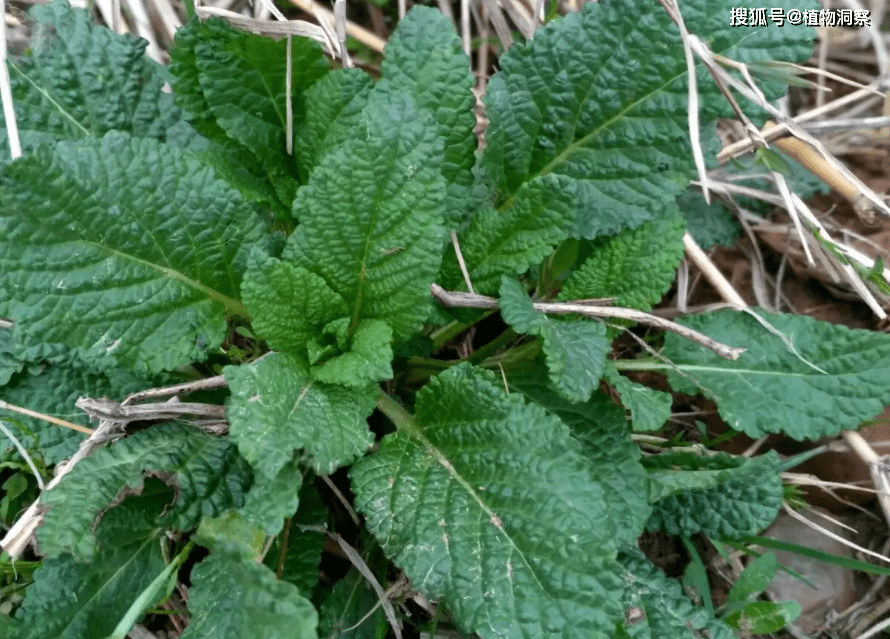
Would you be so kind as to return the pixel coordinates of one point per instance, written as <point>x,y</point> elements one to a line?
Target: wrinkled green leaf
<point>333,105</point>
<point>209,475</point>
<point>600,97</point>
<point>276,409</point>
<point>237,168</point>
<point>368,358</point>
<point>256,605</point>
<point>233,84</point>
<point>81,80</point>
<point>289,304</point>
<point>602,430</point>
<point>721,496</point>
<point>649,408</point>
<point>375,238</point>
<point>126,272</point>
<point>835,379</point>
<point>74,600</point>
<point>656,608</point>
<point>575,350</point>
<point>510,243</point>
<point>424,58</point>
<point>481,485</point>
<point>70,600</point>
<point>763,617</point>
<point>636,266</point>
<point>270,501</point>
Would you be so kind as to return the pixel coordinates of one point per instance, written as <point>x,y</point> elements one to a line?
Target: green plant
<point>141,234</point>
<point>742,610</point>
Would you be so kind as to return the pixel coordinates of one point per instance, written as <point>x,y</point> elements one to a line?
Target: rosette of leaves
<point>513,500</point>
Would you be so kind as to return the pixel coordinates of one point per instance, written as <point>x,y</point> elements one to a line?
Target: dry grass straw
<point>12,129</point>
<point>366,37</point>
<point>21,534</point>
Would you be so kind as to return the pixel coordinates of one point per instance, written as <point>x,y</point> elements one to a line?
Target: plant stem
<point>189,8</point>
<point>282,548</point>
<point>493,346</point>
<point>236,308</point>
<point>642,364</point>
<point>446,333</point>
<point>421,369</point>
<point>403,420</point>
<point>514,358</point>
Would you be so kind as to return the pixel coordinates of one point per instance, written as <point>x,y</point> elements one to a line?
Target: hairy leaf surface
<point>271,500</point>
<point>601,428</point>
<point>276,408</point>
<point>657,607</point>
<point>649,408</point>
<point>600,97</point>
<point>127,272</point>
<point>496,244</point>
<point>83,81</point>
<point>208,473</point>
<point>834,379</point>
<point>424,58</point>
<point>724,497</point>
<point>333,105</point>
<point>489,505</point>
<point>289,304</point>
<point>376,238</point>
<point>53,390</point>
<point>255,603</point>
<point>575,350</point>
<point>233,84</point>
<point>636,266</point>
<point>72,600</point>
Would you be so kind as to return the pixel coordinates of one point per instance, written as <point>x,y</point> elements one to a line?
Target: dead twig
<point>210,417</point>
<point>289,27</point>
<point>46,418</point>
<point>712,273</point>
<point>179,389</point>
<point>878,466</point>
<point>383,597</point>
<point>22,532</point>
<point>457,299</point>
<point>772,131</point>
<point>368,38</point>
